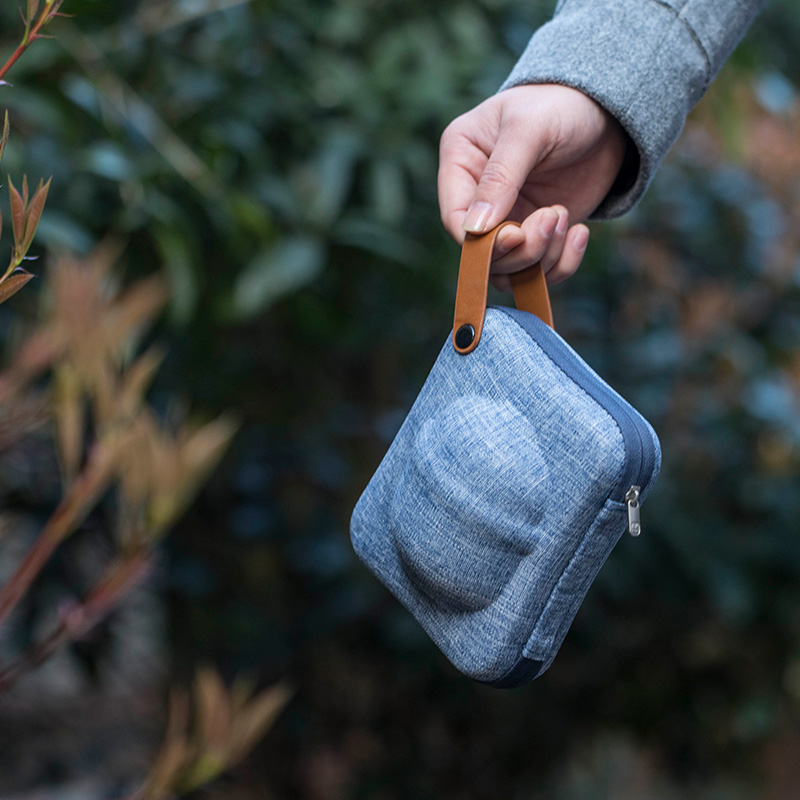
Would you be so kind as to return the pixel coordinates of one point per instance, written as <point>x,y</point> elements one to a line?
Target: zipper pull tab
<point>634,518</point>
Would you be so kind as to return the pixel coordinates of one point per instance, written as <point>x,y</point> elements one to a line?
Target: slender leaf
<point>255,719</point>
<point>213,712</point>
<point>70,417</point>
<point>13,283</point>
<point>174,751</point>
<point>136,381</point>
<point>204,447</point>
<point>4,138</point>
<point>181,258</point>
<point>135,308</point>
<point>136,474</point>
<point>17,213</point>
<point>34,212</point>
<point>292,263</point>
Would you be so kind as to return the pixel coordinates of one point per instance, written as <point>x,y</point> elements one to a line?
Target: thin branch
<point>80,498</point>
<point>118,580</point>
<point>32,33</point>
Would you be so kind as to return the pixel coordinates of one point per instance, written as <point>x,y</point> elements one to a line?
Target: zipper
<point>640,450</point>
<point>634,515</point>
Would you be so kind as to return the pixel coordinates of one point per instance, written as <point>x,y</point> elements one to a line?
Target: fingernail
<point>563,221</point>
<point>581,240</point>
<point>548,225</point>
<point>502,246</point>
<point>477,220</point>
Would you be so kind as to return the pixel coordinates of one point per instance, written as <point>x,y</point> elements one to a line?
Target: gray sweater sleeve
<point>647,62</point>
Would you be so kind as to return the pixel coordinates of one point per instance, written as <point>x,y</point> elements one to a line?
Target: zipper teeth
<point>624,484</point>
<point>634,463</point>
<point>613,404</point>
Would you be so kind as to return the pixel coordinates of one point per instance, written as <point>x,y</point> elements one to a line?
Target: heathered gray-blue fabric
<point>648,62</point>
<point>491,513</point>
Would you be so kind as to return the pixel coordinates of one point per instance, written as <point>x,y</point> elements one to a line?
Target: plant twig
<point>119,578</point>
<point>33,30</point>
<point>79,500</point>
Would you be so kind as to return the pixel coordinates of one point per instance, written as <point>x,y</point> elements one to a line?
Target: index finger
<point>461,164</point>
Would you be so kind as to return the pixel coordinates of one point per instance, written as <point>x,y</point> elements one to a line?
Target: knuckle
<point>550,261</point>
<point>548,265</point>
<point>496,176</point>
<point>448,134</point>
<point>452,137</point>
<point>532,249</point>
<point>534,254</point>
<point>459,126</point>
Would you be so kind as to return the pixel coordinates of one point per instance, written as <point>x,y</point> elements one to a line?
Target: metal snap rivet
<point>465,335</point>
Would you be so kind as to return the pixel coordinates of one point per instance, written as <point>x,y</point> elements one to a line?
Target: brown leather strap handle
<point>529,286</point>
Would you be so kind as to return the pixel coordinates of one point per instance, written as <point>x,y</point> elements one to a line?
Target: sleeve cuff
<point>638,59</point>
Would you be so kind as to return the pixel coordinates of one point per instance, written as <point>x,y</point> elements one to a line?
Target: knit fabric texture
<point>502,496</point>
<point>647,62</point>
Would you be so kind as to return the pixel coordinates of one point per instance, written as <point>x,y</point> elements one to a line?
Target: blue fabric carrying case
<point>512,478</point>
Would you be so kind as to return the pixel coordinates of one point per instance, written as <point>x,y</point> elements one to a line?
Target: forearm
<point>648,62</point>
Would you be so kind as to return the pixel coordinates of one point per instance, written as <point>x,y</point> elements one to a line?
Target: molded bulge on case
<point>466,508</point>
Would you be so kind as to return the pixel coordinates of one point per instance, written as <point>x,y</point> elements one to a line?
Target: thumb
<point>509,165</point>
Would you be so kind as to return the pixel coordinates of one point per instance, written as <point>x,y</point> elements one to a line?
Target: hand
<point>543,155</point>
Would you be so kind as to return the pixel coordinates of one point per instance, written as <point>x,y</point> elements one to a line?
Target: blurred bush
<point>125,474</point>
<point>279,160</point>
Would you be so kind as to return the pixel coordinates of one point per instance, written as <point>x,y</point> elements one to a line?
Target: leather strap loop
<point>529,286</point>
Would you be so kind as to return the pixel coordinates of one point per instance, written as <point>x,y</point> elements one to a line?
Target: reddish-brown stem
<point>77,502</point>
<point>30,38</point>
<point>26,573</point>
<point>119,578</point>
<point>14,57</point>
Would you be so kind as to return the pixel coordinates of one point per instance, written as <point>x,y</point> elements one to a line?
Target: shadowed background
<point>277,162</point>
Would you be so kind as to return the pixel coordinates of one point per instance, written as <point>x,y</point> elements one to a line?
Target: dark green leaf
<point>291,264</point>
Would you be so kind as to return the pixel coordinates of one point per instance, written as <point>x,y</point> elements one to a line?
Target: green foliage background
<point>278,160</point>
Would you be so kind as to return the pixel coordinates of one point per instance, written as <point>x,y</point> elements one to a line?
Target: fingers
<point>556,245</point>
<point>460,161</point>
<point>512,159</point>
<point>575,242</point>
<point>571,255</point>
<point>541,239</point>
<point>507,240</point>
<point>545,236</point>
<point>501,282</point>
<point>485,156</point>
